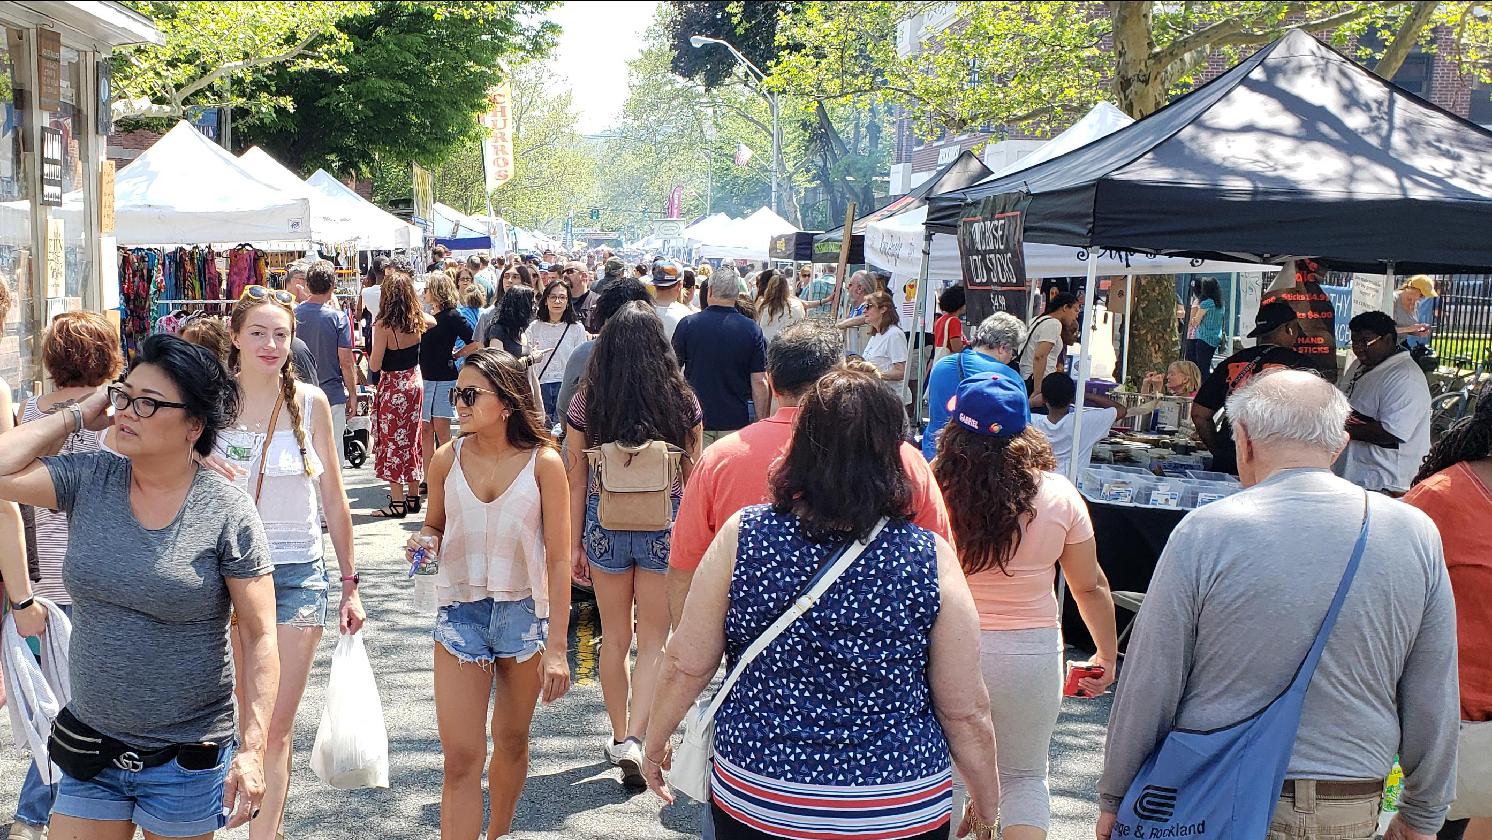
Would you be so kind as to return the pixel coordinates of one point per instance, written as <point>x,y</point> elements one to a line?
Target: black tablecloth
<point>1130,540</point>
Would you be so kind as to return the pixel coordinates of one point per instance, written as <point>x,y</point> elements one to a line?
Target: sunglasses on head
<point>258,293</point>
<point>468,396</point>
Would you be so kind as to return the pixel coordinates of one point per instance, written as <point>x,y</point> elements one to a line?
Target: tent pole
<point>1085,354</point>
<point>919,320</point>
<point>1129,297</point>
<point>1388,289</point>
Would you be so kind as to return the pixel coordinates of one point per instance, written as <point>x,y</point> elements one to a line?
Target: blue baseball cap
<point>990,404</point>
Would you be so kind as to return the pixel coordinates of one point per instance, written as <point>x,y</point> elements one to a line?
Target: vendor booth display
<point>369,226</point>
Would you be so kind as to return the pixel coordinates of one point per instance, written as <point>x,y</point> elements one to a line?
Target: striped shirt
<point>51,525</point>
<point>821,812</point>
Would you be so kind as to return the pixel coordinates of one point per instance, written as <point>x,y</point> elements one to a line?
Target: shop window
<point>18,330</point>
<point>69,135</point>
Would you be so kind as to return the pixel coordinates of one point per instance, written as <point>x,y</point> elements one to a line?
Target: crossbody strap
<point>561,343</point>
<point>825,578</point>
<point>1031,334</point>
<point>1308,667</point>
<point>269,435</point>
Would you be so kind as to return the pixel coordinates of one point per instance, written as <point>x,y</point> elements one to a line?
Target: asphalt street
<point>571,790</point>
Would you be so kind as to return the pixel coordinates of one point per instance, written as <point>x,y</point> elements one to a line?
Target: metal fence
<point>1463,318</point>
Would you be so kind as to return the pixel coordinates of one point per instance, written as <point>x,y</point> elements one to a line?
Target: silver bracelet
<point>77,415</point>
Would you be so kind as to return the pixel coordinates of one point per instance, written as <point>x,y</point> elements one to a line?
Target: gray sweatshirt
<point>1236,601</point>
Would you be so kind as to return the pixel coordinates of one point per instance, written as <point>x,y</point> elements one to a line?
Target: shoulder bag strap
<point>555,352</point>
<point>269,435</point>
<point>1031,334</point>
<point>825,578</point>
<point>1308,667</point>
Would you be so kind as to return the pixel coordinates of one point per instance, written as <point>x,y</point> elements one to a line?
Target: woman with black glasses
<point>558,332</point>
<point>499,524</point>
<point>148,739</point>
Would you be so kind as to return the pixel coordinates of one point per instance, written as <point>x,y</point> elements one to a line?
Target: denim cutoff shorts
<point>167,800</point>
<point>620,551</point>
<point>300,594</point>
<point>437,401</point>
<point>481,631</point>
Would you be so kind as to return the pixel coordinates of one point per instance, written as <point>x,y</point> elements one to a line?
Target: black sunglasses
<point>143,407</point>
<point>468,395</point>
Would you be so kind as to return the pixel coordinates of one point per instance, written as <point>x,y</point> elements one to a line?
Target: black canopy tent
<point>961,172</point>
<point>1297,150</point>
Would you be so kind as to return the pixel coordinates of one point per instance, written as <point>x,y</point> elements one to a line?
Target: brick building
<point>1433,75</point>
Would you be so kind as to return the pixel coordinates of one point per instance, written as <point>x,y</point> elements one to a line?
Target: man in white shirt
<point>1390,422</point>
<point>1044,345</point>
<point>1100,413</point>
<point>666,293</point>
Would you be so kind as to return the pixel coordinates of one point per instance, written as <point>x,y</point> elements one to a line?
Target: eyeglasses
<point>468,395</point>
<point>258,293</point>
<point>143,407</point>
<point>570,271</point>
<point>558,298</point>
<point>1363,345</point>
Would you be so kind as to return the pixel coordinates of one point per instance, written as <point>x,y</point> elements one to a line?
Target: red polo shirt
<point>733,474</point>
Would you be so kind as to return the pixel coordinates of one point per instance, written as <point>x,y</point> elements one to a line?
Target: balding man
<point>724,357</point>
<point>1241,590</point>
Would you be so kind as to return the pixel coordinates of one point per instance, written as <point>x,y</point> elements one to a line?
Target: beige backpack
<point>635,484</point>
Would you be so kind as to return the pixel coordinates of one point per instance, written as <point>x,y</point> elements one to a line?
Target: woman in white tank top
<point>498,521</point>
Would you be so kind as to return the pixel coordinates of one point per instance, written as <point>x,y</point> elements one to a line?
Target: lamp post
<point>698,41</point>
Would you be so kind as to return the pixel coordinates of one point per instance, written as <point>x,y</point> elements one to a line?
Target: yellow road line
<point>585,644</point>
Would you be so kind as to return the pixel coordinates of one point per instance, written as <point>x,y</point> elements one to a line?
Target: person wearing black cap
<point>1276,328</point>
<point>666,291</point>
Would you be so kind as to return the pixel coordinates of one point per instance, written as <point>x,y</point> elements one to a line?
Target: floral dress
<point>396,417</point>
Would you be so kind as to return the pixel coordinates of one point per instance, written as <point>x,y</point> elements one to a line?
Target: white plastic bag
<point>352,745</point>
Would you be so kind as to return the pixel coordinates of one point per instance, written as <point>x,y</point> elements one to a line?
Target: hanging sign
<point>106,198</point>
<point>49,69</point>
<point>676,202</point>
<point>1317,314</point>
<point>497,147</point>
<point>423,190</point>
<point>56,258</point>
<point>991,249</point>
<point>51,166</point>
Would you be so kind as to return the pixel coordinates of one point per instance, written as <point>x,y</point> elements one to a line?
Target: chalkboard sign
<point>1318,339</point>
<point>991,249</point>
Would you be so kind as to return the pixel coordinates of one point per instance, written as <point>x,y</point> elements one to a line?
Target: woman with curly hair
<point>1454,488</point>
<point>396,406</point>
<point>632,393</point>
<point>1015,522</point>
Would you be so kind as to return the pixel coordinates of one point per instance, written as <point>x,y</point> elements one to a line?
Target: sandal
<point>424,489</point>
<point>394,510</point>
<point>413,503</point>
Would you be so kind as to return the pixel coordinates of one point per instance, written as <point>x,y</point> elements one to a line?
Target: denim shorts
<point>165,800</point>
<point>300,594</point>
<point>619,551</point>
<point>481,631</point>
<point>437,401</point>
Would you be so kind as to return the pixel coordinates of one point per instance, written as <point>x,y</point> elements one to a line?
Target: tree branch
<point>222,70</point>
<point>1404,41</point>
<point>1230,32</point>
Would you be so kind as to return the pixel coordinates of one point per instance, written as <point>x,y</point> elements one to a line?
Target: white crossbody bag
<point>690,773</point>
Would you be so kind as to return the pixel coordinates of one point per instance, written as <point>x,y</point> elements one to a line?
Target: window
<point>18,329</point>
<point>1481,104</point>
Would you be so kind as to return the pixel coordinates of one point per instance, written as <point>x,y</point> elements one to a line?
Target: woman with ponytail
<point>283,449</point>
<point>1454,488</point>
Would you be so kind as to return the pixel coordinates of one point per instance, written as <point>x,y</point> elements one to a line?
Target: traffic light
<point>595,214</point>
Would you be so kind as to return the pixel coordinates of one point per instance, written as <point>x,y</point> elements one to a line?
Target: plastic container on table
<point>1203,475</point>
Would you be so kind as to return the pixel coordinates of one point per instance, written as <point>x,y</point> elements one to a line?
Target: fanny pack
<point>83,752</point>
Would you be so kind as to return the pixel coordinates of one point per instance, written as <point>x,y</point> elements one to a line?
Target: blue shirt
<point>719,349</point>
<point>324,328</point>
<point>942,384</point>
<point>1210,329</point>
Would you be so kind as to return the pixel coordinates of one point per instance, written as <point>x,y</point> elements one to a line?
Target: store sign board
<point>49,69</point>
<point>991,248</point>
<point>668,228</point>
<point>51,167</point>
<point>497,148</point>
<point>106,198</point>
<point>1318,332</point>
<point>56,258</point>
<point>105,88</point>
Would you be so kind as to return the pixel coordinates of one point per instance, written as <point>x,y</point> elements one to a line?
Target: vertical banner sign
<point>56,258</point>
<point>1317,314</point>
<point>991,250</point>
<point>676,202</point>
<point>497,148</point>
<point>49,69</point>
<point>51,166</point>
<point>106,198</point>
<point>424,195</point>
<point>105,87</point>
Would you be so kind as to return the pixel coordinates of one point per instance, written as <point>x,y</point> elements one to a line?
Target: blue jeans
<point>35,805</point>
<point>169,800</point>
<point>549,393</point>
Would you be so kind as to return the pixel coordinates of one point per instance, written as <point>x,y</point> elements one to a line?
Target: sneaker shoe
<point>628,756</point>
<point>20,830</point>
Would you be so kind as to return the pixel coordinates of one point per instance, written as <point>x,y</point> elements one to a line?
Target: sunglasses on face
<point>468,396</point>
<point>143,407</point>
<point>258,293</point>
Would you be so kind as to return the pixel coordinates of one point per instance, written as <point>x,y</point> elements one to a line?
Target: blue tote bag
<point>1224,783</point>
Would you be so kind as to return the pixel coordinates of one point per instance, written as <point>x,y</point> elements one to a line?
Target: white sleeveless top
<point>287,502</point>
<point>493,549</point>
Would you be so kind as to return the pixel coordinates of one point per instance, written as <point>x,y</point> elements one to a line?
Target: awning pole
<point>1129,298</point>
<point>919,320</point>
<point>1388,289</point>
<point>1090,295</point>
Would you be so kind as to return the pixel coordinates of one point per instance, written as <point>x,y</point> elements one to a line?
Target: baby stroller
<point>357,440</point>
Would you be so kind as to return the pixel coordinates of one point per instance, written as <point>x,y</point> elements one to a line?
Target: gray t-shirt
<point>1236,601</point>
<point>149,653</point>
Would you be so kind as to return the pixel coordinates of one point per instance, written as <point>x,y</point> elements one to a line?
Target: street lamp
<point>698,41</point>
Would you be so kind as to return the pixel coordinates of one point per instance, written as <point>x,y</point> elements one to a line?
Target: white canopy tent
<point>187,190</point>
<point>330,222</point>
<point>451,223</point>
<point>1101,120</point>
<point>746,239</point>
<point>375,228</point>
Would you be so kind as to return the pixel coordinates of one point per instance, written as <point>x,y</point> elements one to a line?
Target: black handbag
<point>1425,357</point>
<point>83,752</point>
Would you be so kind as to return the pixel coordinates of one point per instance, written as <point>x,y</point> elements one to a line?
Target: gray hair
<point>1292,407</point>
<point>724,285</point>
<point>1000,330</point>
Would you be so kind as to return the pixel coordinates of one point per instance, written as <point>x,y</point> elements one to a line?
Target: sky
<point>597,42</point>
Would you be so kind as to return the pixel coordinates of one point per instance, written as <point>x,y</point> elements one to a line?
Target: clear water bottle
<point>423,569</point>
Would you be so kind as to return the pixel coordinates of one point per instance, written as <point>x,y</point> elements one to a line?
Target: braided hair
<point>1470,439</point>
<point>241,312</point>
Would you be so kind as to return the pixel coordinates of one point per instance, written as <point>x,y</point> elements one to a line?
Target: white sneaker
<point>628,756</point>
<point>26,831</point>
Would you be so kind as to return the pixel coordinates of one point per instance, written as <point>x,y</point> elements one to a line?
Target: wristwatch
<point>353,579</point>
<point>17,607</point>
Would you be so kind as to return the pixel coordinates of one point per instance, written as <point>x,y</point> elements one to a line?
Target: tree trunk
<point>1139,87</point>
<point>1153,340</point>
<point>1405,39</point>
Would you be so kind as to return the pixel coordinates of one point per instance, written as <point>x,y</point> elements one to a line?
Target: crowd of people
<point>701,449</point>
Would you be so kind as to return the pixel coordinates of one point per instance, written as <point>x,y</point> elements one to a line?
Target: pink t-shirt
<point>1023,597</point>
